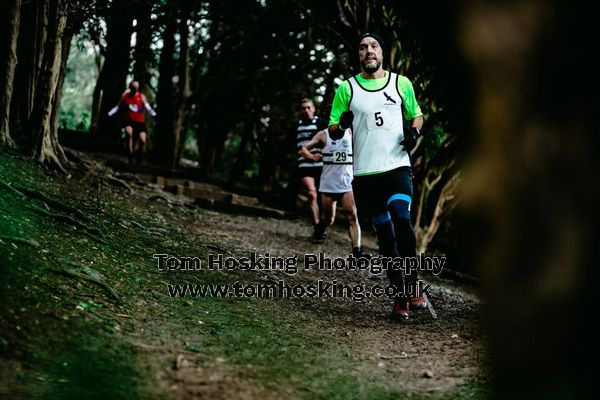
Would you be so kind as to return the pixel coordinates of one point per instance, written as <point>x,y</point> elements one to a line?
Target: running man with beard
<point>375,104</point>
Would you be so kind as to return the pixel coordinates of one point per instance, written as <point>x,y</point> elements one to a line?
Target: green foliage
<point>230,152</point>
<point>80,78</point>
<point>434,140</point>
<point>190,147</point>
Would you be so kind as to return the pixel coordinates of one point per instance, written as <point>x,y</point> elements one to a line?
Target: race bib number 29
<point>340,157</point>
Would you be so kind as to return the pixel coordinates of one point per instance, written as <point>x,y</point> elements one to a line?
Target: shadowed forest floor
<point>85,313</point>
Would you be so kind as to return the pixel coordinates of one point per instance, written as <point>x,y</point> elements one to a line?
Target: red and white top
<point>132,107</point>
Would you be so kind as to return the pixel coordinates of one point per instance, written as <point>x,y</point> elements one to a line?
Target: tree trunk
<point>165,123</point>
<point>9,62</point>
<point>183,83</point>
<point>96,101</point>
<point>143,55</point>
<point>30,51</point>
<point>532,194</point>
<point>211,143</point>
<point>66,46</point>
<point>266,164</point>
<point>242,154</point>
<point>112,78</point>
<point>47,149</point>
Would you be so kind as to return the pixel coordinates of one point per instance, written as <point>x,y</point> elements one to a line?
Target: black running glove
<point>410,139</point>
<point>346,120</point>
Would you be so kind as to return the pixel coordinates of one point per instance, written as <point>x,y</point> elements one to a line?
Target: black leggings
<point>385,198</point>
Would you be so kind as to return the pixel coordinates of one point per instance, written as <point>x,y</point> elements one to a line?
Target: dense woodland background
<point>226,78</point>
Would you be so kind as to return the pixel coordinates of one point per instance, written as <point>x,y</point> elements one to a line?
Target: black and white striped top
<point>305,131</point>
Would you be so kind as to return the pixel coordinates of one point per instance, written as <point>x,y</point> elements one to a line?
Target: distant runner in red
<point>131,114</point>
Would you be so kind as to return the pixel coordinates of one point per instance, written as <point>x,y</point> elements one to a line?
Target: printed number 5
<point>378,118</point>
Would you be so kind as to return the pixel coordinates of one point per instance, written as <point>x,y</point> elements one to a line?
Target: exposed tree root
<point>135,223</point>
<point>130,177</point>
<point>32,193</point>
<point>17,239</point>
<point>6,140</point>
<point>50,160</point>
<point>73,157</point>
<point>8,186</point>
<point>120,182</point>
<point>81,275</point>
<point>165,199</point>
<point>90,230</point>
<point>25,192</point>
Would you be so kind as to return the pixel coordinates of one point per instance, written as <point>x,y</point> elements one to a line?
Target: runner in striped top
<point>309,171</point>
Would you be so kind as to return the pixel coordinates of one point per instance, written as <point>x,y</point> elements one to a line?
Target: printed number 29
<point>378,118</point>
<point>340,156</point>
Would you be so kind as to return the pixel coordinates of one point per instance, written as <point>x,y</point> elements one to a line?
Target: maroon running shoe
<point>401,308</point>
<point>418,303</point>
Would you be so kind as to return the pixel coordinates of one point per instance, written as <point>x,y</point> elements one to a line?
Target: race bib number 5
<point>378,120</point>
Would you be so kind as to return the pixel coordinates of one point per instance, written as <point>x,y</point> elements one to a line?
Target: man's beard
<point>370,68</point>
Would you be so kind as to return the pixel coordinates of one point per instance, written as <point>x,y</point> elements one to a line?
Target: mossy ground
<point>64,337</point>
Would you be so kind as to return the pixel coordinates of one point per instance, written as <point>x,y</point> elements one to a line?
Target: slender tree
<point>183,83</point>
<point>8,63</point>
<point>112,78</point>
<point>165,124</point>
<point>143,57</point>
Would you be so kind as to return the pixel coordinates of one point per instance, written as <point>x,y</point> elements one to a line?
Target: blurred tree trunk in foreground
<point>532,191</point>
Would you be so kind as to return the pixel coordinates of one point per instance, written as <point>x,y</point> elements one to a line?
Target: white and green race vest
<point>377,128</point>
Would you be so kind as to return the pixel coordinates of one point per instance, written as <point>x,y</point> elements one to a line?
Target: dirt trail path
<point>425,356</point>
<point>61,336</point>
